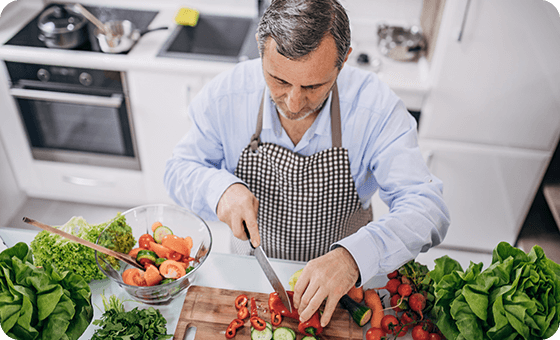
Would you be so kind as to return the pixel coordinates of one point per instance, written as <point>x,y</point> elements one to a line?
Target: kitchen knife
<point>269,272</point>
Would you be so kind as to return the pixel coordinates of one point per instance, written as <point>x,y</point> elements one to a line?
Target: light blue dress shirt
<point>377,130</point>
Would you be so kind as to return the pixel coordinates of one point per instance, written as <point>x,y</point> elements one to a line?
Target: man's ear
<point>347,55</point>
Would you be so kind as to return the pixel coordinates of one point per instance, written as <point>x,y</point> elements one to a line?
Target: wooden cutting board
<point>211,310</point>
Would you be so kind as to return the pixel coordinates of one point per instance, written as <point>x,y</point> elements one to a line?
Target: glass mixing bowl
<point>183,223</point>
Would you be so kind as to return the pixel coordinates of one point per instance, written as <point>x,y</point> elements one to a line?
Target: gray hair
<point>299,26</point>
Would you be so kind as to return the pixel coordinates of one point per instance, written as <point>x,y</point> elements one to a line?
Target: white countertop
<point>407,79</point>
<point>226,271</point>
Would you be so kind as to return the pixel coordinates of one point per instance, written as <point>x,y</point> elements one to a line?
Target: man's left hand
<point>329,276</point>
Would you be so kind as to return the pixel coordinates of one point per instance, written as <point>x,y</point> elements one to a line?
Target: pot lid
<point>57,19</point>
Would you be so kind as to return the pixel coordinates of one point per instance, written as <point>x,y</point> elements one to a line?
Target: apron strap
<point>335,122</point>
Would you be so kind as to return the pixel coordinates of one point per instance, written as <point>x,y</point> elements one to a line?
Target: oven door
<point>64,125</point>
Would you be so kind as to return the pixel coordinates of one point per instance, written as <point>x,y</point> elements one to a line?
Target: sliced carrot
<point>372,300</point>
<point>152,276</point>
<point>134,277</point>
<point>176,243</point>
<point>134,252</point>
<point>357,294</point>
<point>171,269</point>
<point>160,250</point>
<point>155,225</point>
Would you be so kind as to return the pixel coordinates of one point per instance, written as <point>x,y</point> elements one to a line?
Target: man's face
<point>300,87</point>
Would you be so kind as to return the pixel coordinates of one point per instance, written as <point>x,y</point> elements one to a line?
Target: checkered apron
<point>305,203</point>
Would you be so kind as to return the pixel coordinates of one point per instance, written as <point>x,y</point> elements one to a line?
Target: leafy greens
<point>136,324</point>
<point>67,255</point>
<point>41,303</point>
<point>516,297</point>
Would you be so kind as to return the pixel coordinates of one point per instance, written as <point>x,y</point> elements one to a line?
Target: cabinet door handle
<point>465,14</point>
<point>88,182</point>
<point>114,101</point>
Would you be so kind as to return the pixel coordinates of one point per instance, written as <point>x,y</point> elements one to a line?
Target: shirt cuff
<point>220,184</point>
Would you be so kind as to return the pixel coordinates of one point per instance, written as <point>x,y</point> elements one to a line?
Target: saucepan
<point>123,35</point>
<point>115,36</point>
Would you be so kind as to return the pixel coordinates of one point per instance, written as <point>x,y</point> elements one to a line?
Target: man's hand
<point>329,276</point>
<point>238,205</point>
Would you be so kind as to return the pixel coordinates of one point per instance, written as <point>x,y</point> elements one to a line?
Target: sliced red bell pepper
<point>243,313</point>
<point>232,328</point>
<point>275,318</point>
<point>276,305</point>
<point>312,326</point>
<point>258,323</point>
<point>241,301</point>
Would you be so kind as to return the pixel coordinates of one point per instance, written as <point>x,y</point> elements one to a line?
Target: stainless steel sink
<point>214,38</point>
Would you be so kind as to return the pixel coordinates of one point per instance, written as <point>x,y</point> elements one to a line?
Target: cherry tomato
<point>434,336</point>
<point>393,275</point>
<point>144,241</point>
<point>375,333</point>
<point>241,301</point>
<point>389,323</point>
<point>419,333</point>
<point>243,313</point>
<point>408,318</point>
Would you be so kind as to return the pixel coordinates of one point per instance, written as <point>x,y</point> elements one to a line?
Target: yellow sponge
<point>187,17</point>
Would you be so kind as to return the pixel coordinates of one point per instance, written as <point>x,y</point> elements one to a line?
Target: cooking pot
<point>401,43</point>
<point>123,36</point>
<point>60,27</point>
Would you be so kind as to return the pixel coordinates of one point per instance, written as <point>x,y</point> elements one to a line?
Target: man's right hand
<point>238,205</point>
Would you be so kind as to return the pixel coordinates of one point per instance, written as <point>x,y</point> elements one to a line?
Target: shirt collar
<point>321,126</point>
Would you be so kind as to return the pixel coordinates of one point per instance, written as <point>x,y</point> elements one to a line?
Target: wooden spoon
<point>123,257</point>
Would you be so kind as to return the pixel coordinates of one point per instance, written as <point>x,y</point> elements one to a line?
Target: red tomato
<point>419,333</point>
<point>375,333</point>
<point>434,336</point>
<point>144,241</point>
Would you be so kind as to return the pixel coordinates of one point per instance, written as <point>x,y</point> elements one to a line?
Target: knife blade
<point>269,272</point>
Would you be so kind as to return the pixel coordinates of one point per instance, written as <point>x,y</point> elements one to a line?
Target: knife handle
<point>248,235</point>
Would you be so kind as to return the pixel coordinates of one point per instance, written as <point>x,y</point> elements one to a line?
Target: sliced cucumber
<point>145,256</point>
<point>268,325</point>
<point>284,333</point>
<point>160,233</point>
<point>308,337</point>
<point>160,260</point>
<point>164,281</point>
<point>265,334</point>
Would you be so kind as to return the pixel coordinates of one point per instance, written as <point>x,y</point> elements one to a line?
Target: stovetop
<point>29,35</point>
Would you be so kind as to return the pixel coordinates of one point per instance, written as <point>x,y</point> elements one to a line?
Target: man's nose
<point>295,100</point>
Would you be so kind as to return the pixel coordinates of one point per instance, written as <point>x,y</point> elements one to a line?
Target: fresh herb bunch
<point>136,324</point>
<point>516,297</point>
<point>67,255</point>
<point>41,303</point>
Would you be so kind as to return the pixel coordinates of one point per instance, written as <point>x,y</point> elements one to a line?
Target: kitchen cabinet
<point>499,84</point>
<point>490,123</point>
<point>486,188</point>
<point>160,102</point>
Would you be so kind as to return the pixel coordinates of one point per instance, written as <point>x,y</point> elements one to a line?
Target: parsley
<point>117,324</point>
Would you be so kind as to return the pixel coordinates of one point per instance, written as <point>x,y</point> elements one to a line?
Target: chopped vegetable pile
<point>118,324</point>
<point>516,297</point>
<point>68,255</point>
<point>41,303</point>
<point>165,257</point>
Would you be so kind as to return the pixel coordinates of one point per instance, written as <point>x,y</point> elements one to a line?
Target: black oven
<point>75,115</point>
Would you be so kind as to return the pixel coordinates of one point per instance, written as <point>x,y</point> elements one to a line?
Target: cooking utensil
<point>400,43</point>
<point>211,310</point>
<point>93,19</point>
<point>269,272</point>
<point>125,35</point>
<point>62,27</point>
<point>123,257</point>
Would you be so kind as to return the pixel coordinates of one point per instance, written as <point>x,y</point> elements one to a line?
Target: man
<point>325,137</point>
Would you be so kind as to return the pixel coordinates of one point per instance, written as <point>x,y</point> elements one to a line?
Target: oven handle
<point>115,101</point>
